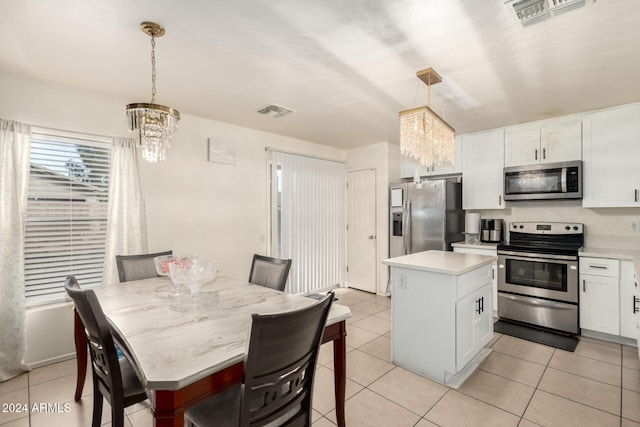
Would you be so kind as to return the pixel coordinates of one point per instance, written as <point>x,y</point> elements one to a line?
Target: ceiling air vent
<point>530,12</point>
<point>275,111</point>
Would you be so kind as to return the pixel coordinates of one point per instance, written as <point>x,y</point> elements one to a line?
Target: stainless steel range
<point>538,275</point>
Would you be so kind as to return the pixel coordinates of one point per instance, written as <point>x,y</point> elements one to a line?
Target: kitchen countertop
<point>479,245</point>
<point>445,262</point>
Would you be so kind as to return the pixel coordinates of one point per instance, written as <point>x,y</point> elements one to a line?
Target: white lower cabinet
<point>490,251</point>
<point>436,328</point>
<point>629,304</point>
<point>473,324</point>
<point>599,304</point>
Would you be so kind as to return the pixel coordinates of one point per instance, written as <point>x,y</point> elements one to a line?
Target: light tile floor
<point>520,384</point>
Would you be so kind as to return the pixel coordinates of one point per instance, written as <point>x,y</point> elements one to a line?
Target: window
<point>66,221</point>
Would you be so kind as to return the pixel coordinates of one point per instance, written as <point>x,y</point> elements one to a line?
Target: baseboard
<point>608,337</point>
<point>51,361</point>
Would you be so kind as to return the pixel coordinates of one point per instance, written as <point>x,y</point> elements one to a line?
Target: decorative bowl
<point>162,262</point>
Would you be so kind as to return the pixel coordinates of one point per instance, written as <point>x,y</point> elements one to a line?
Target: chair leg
<point>117,414</point>
<point>81,354</point>
<point>98,400</point>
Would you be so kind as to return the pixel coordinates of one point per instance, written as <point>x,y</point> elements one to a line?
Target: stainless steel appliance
<point>491,230</point>
<point>430,217</point>
<point>562,180</point>
<point>538,275</point>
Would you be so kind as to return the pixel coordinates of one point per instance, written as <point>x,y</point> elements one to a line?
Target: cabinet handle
<point>584,285</point>
<point>635,307</point>
<point>500,200</point>
<point>482,304</point>
<point>535,154</point>
<point>544,153</point>
<point>635,194</point>
<point>478,309</point>
<point>601,267</point>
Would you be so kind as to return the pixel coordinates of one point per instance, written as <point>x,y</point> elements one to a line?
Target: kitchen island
<point>441,313</point>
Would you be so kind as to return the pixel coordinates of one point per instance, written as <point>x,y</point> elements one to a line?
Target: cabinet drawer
<point>600,267</point>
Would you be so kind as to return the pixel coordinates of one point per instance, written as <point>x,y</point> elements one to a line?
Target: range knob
<point>575,227</point>
<point>567,228</point>
<point>521,226</point>
<point>515,226</point>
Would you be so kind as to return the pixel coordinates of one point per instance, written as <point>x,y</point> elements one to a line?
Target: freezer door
<point>425,211</point>
<point>397,220</point>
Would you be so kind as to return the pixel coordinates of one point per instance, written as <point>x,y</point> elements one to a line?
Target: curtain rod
<point>301,155</point>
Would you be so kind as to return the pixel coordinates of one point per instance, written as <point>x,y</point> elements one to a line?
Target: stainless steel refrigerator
<point>421,219</point>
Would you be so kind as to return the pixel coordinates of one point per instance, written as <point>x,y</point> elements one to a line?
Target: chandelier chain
<point>153,69</point>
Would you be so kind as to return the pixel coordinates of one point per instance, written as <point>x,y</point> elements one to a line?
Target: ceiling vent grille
<point>531,12</point>
<point>275,111</point>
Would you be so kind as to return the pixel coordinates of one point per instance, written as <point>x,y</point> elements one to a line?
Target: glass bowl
<point>162,264</point>
<point>192,273</point>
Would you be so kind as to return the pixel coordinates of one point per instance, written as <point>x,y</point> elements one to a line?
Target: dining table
<point>183,357</point>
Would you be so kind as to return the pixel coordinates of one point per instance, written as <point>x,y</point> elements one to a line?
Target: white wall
<point>212,209</point>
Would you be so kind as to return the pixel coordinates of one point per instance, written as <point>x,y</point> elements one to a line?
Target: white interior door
<point>361,230</point>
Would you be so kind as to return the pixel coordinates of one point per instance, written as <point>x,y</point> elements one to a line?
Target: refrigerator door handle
<point>409,231</point>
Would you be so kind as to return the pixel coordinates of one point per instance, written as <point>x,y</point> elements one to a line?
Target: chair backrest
<point>137,267</point>
<point>101,346</point>
<point>280,364</point>
<point>269,272</point>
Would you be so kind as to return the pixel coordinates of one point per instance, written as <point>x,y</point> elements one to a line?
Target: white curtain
<point>308,220</point>
<point>127,223</point>
<point>15,141</point>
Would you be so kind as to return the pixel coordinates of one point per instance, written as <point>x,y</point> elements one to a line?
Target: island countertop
<point>445,262</point>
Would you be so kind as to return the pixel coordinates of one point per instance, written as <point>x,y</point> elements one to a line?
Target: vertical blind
<point>308,220</point>
<point>66,213</point>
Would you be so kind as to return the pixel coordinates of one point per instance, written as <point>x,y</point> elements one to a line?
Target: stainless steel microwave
<point>561,180</point>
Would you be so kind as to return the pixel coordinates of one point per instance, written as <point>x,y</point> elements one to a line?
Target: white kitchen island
<point>441,313</point>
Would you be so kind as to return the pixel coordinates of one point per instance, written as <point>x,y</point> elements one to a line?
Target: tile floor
<point>519,384</point>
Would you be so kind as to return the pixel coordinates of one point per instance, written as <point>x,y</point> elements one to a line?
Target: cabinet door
<point>466,319</point>
<point>628,302</point>
<point>494,270</point>
<point>560,143</point>
<point>482,170</point>
<point>474,324</point>
<point>610,153</point>
<point>599,304</point>
<point>521,146</point>
<point>484,325</point>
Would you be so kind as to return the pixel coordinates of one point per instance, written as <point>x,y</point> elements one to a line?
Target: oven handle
<point>525,255</point>
<point>538,302</point>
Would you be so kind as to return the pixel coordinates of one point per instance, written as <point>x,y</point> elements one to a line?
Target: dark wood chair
<point>114,378</point>
<point>130,267</point>
<point>137,267</point>
<point>279,370</point>
<point>269,272</point>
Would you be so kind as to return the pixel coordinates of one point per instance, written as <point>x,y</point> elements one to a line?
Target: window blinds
<point>308,220</point>
<point>66,213</point>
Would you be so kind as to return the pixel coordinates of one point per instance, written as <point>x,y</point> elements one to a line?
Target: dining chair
<point>269,272</point>
<point>279,368</point>
<point>114,379</point>
<point>137,267</point>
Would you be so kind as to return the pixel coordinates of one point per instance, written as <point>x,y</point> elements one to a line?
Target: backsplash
<point>604,228</point>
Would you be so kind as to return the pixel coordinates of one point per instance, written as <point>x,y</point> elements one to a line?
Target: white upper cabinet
<point>408,165</point>
<point>543,143</point>
<point>482,170</point>
<point>611,150</point>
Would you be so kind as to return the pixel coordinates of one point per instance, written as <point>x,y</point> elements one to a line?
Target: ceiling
<point>346,67</point>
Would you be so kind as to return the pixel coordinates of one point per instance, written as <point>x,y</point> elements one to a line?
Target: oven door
<point>543,276</point>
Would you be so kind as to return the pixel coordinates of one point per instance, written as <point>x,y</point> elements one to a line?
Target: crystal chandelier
<point>153,124</point>
<point>424,136</point>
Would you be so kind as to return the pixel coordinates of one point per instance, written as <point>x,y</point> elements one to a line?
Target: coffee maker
<point>491,230</point>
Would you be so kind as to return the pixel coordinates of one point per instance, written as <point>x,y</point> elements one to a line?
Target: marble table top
<point>173,349</point>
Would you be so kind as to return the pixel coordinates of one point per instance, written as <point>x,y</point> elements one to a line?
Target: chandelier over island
<point>153,124</point>
<point>425,136</point>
